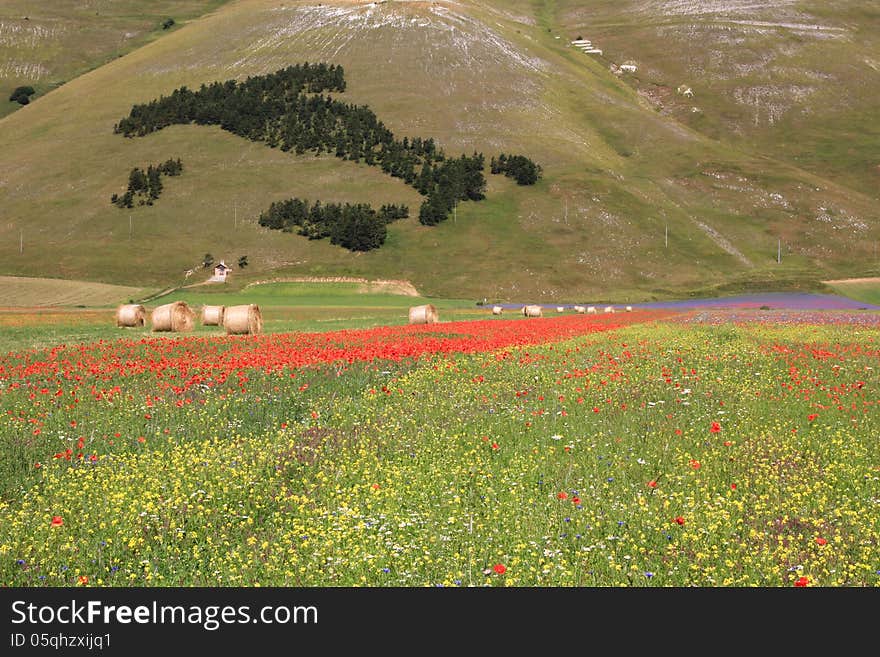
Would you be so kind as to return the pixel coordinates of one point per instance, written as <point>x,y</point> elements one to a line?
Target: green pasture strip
<point>346,295</point>
<point>656,455</point>
<point>321,308</point>
<point>868,291</point>
<point>22,291</point>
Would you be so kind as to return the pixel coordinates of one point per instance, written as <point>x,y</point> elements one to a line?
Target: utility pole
<point>779,251</point>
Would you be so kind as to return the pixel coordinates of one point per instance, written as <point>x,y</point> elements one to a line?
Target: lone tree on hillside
<point>22,95</point>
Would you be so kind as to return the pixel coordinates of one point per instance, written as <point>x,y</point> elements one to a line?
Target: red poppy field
<point>651,448</point>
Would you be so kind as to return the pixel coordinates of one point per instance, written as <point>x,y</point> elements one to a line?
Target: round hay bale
<point>533,311</point>
<point>609,309</point>
<point>131,314</point>
<point>244,319</point>
<point>629,309</point>
<point>213,315</point>
<point>560,309</point>
<point>497,310</point>
<point>426,314</point>
<point>177,316</point>
<point>591,309</point>
<point>579,309</point>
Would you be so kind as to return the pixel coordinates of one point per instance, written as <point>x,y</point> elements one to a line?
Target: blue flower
<point>649,574</point>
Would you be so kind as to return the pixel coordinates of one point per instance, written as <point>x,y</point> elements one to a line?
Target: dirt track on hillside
<point>875,279</point>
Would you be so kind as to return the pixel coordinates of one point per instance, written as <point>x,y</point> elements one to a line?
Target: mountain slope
<point>792,79</point>
<point>633,204</point>
<point>45,44</point>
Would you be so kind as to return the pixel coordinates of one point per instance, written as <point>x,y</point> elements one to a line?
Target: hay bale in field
<point>591,309</point>
<point>131,314</point>
<point>533,311</point>
<point>579,309</point>
<point>426,314</point>
<point>213,315</point>
<point>244,319</point>
<point>609,309</point>
<point>560,309</point>
<point>629,309</point>
<point>177,316</point>
<point>496,310</point>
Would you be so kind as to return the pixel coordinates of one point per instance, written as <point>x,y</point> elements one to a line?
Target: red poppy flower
<point>652,484</point>
<point>575,500</point>
<point>801,582</point>
<point>562,495</point>
<point>733,486</point>
<point>695,464</point>
<point>82,580</point>
<point>678,520</point>
<point>57,521</point>
<point>812,416</point>
<point>500,568</point>
<point>715,428</point>
<point>494,445</point>
<point>821,541</point>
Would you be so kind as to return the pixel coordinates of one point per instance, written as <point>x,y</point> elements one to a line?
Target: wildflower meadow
<point>650,449</point>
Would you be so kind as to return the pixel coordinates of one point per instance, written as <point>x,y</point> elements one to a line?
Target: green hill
<point>635,202</point>
<point>45,44</point>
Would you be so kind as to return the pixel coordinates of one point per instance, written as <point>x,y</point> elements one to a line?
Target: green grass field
<point>285,307</point>
<point>867,290</point>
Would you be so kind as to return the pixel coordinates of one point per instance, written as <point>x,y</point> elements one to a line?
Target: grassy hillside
<point>791,79</point>
<point>45,44</point>
<point>634,203</point>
